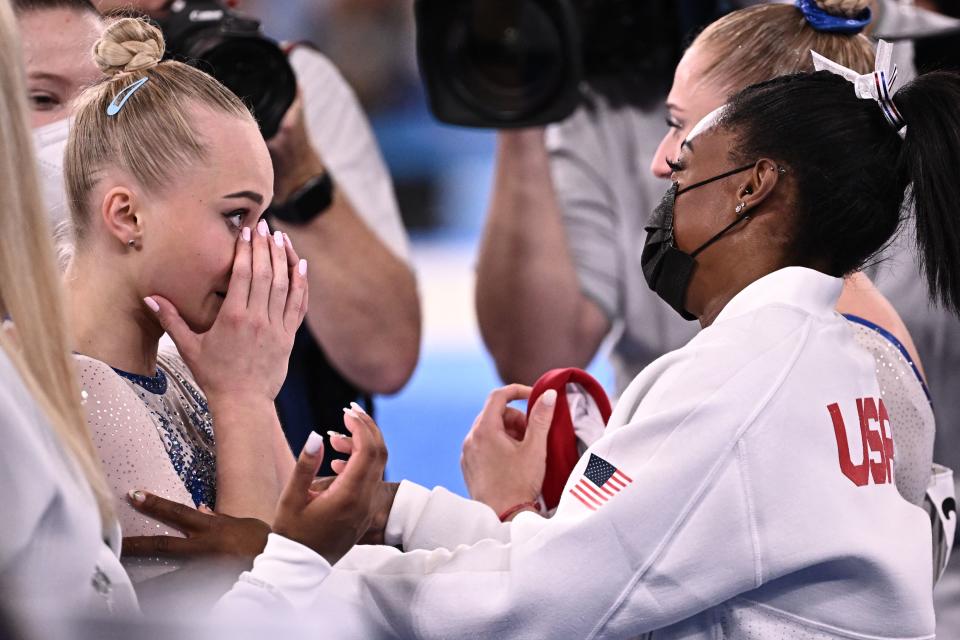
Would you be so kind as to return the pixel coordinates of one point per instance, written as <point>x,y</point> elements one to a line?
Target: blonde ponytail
<point>767,41</point>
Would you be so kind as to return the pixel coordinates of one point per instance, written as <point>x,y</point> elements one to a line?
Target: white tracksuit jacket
<point>743,489</point>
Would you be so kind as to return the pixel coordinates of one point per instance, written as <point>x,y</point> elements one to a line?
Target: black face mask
<point>666,268</point>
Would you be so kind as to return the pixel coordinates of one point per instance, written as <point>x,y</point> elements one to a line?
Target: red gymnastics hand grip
<point>562,453</point>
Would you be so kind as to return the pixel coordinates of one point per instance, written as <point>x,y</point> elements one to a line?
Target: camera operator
<point>364,315</point>
<point>558,267</point>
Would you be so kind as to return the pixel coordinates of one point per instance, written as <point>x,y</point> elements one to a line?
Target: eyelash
<point>673,124</point>
<point>43,102</point>
<point>233,214</point>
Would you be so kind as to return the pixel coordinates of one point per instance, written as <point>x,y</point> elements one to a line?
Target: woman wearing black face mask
<point>744,487</point>
<point>667,268</point>
<point>747,46</point>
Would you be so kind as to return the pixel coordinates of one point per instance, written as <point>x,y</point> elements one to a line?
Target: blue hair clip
<point>121,98</point>
<point>823,21</point>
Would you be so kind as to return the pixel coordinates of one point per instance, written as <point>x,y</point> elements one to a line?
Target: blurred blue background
<point>442,176</point>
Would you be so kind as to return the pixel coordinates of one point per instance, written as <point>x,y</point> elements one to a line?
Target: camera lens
<point>258,72</point>
<point>506,59</point>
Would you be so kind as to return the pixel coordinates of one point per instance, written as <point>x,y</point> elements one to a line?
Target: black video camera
<point>233,49</point>
<point>521,63</point>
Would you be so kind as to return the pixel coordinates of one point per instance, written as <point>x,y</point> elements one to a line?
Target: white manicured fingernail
<point>549,397</point>
<point>286,239</point>
<point>245,234</point>
<point>313,444</point>
<point>351,413</point>
<point>150,302</point>
<point>357,408</point>
<point>278,238</point>
<point>137,496</point>
<point>302,267</point>
<point>262,228</point>
<point>334,434</point>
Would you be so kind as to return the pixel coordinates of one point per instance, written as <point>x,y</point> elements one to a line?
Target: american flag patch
<point>600,482</point>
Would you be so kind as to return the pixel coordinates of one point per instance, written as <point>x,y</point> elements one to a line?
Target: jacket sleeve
<point>26,468</point>
<point>423,519</point>
<point>591,571</point>
<point>427,520</point>
<point>673,534</point>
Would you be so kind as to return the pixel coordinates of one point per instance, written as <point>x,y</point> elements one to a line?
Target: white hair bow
<point>876,86</point>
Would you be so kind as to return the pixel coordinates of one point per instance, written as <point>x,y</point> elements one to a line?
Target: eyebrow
<point>672,107</point>
<point>43,75</point>
<point>250,195</point>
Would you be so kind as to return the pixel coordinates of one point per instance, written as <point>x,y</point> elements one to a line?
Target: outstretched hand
<point>505,456</point>
<point>332,516</point>
<point>244,354</point>
<point>208,534</point>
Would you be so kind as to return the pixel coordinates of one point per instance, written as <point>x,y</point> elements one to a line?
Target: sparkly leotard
<point>152,433</point>
<point>908,403</point>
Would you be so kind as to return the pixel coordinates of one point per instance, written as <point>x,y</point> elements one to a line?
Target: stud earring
<point>740,207</point>
<point>131,242</point>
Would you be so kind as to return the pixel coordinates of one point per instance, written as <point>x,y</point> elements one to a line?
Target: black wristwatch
<point>307,202</point>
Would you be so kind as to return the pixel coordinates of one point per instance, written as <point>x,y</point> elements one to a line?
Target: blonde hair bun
<point>129,44</point>
<point>846,8</point>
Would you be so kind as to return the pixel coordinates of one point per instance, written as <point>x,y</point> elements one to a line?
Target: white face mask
<point>49,144</point>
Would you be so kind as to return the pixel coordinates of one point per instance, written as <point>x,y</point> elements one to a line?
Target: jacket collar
<point>810,290</point>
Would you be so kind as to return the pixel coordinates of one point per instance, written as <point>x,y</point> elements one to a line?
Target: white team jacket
<point>742,490</point>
